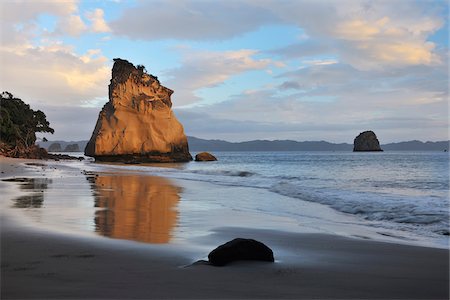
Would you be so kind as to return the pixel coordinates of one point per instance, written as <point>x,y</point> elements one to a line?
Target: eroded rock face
<point>366,141</point>
<point>137,124</point>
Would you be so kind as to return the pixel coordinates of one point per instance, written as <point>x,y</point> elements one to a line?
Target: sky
<point>305,70</point>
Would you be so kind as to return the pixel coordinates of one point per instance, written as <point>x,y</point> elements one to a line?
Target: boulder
<point>366,141</point>
<point>240,249</point>
<point>137,124</point>
<point>205,156</point>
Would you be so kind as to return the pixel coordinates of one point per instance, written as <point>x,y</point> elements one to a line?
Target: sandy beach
<point>37,262</point>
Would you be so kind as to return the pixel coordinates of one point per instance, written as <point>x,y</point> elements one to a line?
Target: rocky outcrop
<point>366,141</point>
<point>240,249</point>
<point>33,152</point>
<point>137,124</point>
<point>205,156</point>
<point>72,148</point>
<point>55,147</point>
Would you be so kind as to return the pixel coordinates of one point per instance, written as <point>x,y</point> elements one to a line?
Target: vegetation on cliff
<point>19,124</point>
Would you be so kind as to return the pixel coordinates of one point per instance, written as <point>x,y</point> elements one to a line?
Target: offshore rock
<point>137,124</point>
<point>205,156</point>
<point>366,141</point>
<point>72,148</point>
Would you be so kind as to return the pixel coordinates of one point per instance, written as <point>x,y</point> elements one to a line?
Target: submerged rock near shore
<point>137,124</point>
<point>366,141</point>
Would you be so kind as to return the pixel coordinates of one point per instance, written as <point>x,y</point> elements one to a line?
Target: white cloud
<point>367,35</point>
<point>98,23</point>
<point>333,102</point>
<point>205,69</point>
<point>72,25</point>
<point>24,11</point>
<point>53,74</point>
<point>41,69</point>
<point>194,20</point>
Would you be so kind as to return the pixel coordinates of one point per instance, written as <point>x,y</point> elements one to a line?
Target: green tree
<point>19,123</point>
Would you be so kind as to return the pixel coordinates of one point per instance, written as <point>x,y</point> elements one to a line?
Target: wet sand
<point>38,263</point>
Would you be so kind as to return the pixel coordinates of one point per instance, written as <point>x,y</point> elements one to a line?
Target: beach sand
<point>41,263</point>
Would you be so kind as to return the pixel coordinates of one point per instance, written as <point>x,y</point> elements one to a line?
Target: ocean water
<point>404,195</point>
<point>406,191</point>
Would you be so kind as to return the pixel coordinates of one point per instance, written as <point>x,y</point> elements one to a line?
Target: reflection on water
<point>140,208</point>
<point>35,191</point>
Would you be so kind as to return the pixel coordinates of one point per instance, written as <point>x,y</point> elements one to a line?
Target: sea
<point>401,194</point>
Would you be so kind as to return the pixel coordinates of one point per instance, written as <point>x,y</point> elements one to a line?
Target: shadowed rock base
<point>151,157</point>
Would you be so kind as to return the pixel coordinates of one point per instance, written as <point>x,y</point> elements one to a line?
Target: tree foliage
<point>19,123</point>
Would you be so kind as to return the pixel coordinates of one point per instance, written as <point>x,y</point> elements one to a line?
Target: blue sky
<point>241,70</point>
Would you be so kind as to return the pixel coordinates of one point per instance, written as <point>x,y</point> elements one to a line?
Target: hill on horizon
<point>198,144</point>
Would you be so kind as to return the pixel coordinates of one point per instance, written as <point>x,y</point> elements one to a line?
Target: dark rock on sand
<point>205,156</point>
<point>366,141</point>
<point>240,249</point>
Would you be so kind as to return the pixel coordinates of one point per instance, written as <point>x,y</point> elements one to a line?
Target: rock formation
<point>366,141</point>
<point>137,124</point>
<point>72,148</point>
<point>205,156</point>
<point>240,249</point>
<point>55,147</point>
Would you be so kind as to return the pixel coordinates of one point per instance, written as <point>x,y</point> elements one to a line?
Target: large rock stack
<point>137,124</point>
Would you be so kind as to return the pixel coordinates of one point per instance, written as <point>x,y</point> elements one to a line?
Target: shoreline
<point>308,265</point>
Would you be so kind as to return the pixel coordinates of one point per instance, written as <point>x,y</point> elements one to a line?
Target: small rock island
<point>205,156</point>
<point>137,124</point>
<point>366,141</point>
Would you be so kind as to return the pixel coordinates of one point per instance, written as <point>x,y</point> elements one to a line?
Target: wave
<point>429,214</point>
<point>224,172</point>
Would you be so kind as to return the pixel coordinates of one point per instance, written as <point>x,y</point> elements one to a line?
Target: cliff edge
<point>137,124</point>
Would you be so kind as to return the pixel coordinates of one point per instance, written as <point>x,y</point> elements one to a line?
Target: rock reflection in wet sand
<point>35,188</point>
<point>140,208</point>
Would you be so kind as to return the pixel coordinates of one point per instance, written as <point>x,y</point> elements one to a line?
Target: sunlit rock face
<point>137,124</point>
<point>366,141</point>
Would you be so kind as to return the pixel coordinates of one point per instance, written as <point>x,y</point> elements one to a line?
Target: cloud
<point>198,124</point>
<point>71,25</point>
<point>205,69</point>
<point>190,20</point>
<point>333,102</point>
<point>24,11</point>
<point>39,68</point>
<point>287,85</point>
<point>367,35</point>
<point>19,19</point>
<point>53,74</point>
<point>98,23</point>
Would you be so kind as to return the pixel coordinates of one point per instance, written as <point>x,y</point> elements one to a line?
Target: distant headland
<point>198,144</point>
